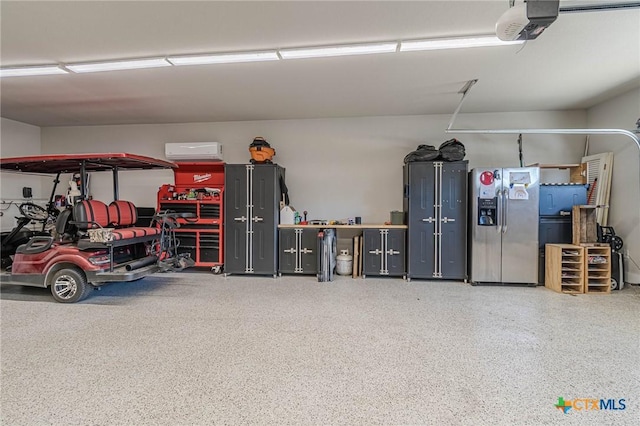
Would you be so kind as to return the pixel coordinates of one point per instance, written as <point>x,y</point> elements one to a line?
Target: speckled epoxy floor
<point>194,348</point>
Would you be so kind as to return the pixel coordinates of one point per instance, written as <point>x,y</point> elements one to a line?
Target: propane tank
<point>344,265</point>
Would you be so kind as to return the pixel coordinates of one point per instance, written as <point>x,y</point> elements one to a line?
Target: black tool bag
<point>423,153</point>
<point>452,150</point>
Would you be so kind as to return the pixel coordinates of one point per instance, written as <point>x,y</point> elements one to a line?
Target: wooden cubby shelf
<point>597,260</point>
<point>565,268</point>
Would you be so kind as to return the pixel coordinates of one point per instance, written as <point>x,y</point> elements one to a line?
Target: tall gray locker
<point>435,204</point>
<point>252,194</point>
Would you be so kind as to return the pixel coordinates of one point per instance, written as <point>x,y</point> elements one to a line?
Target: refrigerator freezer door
<point>520,203</point>
<point>486,239</point>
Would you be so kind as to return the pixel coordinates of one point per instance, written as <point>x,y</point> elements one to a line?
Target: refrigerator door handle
<point>505,210</point>
<point>500,206</point>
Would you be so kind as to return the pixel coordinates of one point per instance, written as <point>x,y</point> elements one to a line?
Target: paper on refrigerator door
<point>488,191</point>
<point>518,192</point>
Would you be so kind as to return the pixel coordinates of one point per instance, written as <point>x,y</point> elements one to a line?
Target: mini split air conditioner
<point>195,151</point>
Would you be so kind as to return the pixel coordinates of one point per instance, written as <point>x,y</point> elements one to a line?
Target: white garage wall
<point>17,139</point>
<point>336,168</point>
<point>621,112</point>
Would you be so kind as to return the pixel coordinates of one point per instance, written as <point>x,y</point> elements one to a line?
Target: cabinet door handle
<point>257,219</point>
<point>291,250</point>
<point>447,220</point>
<point>391,252</point>
<point>429,219</point>
<point>376,251</point>
<point>306,251</point>
<point>240,219</point>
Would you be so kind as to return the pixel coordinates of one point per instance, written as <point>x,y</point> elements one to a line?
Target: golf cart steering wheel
<point>34,212</point>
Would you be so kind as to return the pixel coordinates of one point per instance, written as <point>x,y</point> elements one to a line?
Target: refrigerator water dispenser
<point>487,211</point>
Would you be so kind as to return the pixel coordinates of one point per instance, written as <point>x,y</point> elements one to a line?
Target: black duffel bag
<point>452,150</point>
<point>423,153</point>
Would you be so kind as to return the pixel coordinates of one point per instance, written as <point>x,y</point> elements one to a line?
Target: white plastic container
<point>287,216</point>
<point>344,264</point>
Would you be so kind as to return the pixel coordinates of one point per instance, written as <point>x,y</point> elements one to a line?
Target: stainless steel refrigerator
<point>504,225</point>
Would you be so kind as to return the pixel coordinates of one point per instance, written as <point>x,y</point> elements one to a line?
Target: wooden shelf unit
<point>584,225</point>
<point>564,268</point>
<point>577,172</point>
<point>597,264</point>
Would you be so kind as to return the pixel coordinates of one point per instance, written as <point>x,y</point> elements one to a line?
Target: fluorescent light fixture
<point>224,58</point>
<point>318,52</point>
<point>270,55</point>
<point>118,65</point>
<point>454,43</point>
<point>25,71</point>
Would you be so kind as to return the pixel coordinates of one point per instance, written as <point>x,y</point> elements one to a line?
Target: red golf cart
<point>89,243</point>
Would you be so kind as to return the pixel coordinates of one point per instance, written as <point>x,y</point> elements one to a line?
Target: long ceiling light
<point>118,65</point>
<point>454,43</point>
<point>223,58</point>
<point>36,70</point>
<point>318,52</point>
<point>271,55</point>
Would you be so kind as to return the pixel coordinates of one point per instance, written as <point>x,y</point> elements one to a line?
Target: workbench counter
<point>359,226</point>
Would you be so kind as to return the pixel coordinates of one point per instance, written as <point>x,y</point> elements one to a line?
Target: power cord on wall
<point>520,149</point>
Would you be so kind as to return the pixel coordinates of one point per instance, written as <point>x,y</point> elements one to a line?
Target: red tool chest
<point>198,189</point>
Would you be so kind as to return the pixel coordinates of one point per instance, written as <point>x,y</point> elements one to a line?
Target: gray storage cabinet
<point>383,252</point>
<point>251,214</point>
<point>435,204</point>
<point>298,251</point>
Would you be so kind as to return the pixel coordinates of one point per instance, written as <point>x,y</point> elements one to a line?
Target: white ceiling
<point>582,59</point>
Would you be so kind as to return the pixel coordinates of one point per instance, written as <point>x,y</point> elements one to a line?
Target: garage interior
<point>193,347</point>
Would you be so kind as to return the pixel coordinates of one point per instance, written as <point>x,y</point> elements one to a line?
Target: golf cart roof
<point>71,163</point>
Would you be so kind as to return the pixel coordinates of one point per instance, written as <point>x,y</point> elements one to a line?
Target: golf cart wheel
<point>614,284</point>
<point>69,285</point>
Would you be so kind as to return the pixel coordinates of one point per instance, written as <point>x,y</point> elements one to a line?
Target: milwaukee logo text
<point>201,178</point>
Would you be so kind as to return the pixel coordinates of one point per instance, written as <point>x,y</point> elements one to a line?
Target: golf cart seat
<point>123,215</point>
<point>65,229</point>
<point>94,214</point>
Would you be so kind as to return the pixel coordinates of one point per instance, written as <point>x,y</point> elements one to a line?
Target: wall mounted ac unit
<point>195,151</point>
